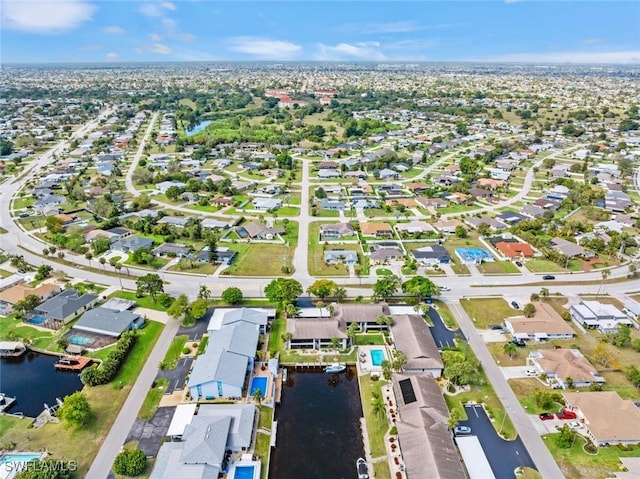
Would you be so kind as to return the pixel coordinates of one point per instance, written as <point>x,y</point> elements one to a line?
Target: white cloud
<point>627,56</point>
<point>168,5</point>
<point>184,37</point>
<point>113,30</point>
<point>264,48</point>
<point>150,9</point>
<point>389,27</point>
<point>112,57</point>
<point>591,41</point>
<point>155,37</point>
<point>341,51</point>
<point>45,16</point>
<point>157,48</point>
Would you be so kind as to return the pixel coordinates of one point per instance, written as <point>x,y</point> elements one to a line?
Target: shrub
<point>186,350</point>
<point>96,375</point>
<point>130,463</point>
<point>232,295</point>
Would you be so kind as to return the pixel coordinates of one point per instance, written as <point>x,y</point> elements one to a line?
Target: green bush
<point>186,350</point>
<point>130,463</point>
<point>96,375</point>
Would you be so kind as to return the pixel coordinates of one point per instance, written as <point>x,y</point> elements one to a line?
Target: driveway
<point>503,456</point>
<point>176,376</point>
<point>151,433</point>
<point>442,335</point>
<point>196,331</point>
<point>516,372</point>
<point>493,336</point>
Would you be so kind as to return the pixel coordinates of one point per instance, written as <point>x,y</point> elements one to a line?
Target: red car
<point>545,416</point>
<point>564,414</point>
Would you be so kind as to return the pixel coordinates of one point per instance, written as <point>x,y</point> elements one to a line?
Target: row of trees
<point>96,375</point>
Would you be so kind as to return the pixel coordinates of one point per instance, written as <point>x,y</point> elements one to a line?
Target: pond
<point>33,381</point>
<point>318,434</point>
<point>198,128</point>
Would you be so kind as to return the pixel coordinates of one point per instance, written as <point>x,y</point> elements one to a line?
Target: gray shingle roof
<point>205,440</point>
<point>106,321</point>
<point>245,314</point>
<point>412,336</point>
<point>66,303</point>
<point>242,418</point>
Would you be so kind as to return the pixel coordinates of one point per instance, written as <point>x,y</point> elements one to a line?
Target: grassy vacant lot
<point>262,259</point>
<point>525,389</point>
<point>82,444</point>
<point>498,267</point>
<point>577,464</point>
<point>315,260</point>
<point>539,265</point>
<point>377,426</point>
<point>487,311</point>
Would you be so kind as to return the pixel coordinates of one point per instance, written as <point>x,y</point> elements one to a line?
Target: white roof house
<point>596,315</point>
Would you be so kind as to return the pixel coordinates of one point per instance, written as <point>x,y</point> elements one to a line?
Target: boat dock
<point>72,363</point>
<point>6,402</point>
<point>12,349</point>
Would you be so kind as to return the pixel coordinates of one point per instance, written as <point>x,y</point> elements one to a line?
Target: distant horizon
<point>487,31</point>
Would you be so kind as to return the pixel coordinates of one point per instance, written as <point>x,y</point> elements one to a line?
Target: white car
<point>531,372</point>
<point>575,425</point>
<point>445,288</point>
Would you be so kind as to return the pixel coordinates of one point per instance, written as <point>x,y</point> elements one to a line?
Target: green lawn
<point>315,260</point>
<point>498,267</point>
<point>4,273</point>
<point>487,311</point>
<point>376,426</point>
<point>136,358</point>
<point>262,451</point>
<point>577,464</point>
<point>151,401</point>
<point>199,268</point>
<point>144,302</point>
<point>12,329</point>
<point>202,346</point>
<point>539,265</point>
<point>262,259</point>
<point>32,222</point>
<point>278,328</point>
<point>320,213</point>
<point>382,470</point>
<point>384,272</point>
<point>369,339</point>
<point>175,351</point>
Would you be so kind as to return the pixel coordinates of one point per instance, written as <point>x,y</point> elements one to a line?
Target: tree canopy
<point>283,290</point>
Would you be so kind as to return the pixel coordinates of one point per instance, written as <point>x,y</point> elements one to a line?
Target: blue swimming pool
<point>244,472</point>
<point>473,255</point>
<point>377,356</point>
<point>79,340</point>
<point>258,383</point>
<point>4,309</point>
<point>36,319</point>
<point>7,458</point>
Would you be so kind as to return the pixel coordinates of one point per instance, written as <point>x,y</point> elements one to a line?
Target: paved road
<point>530,438</point>
<point>118,434</point>
<point>128,179</point>
<point>503,456</point>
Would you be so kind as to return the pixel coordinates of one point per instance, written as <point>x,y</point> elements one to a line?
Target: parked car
<point>564,414</point>
<point>519,342</point>
<point>519,263</point>
<point>548,276</point>
<point>575,425</point>
<point>515,305</point>
<point>462,430</point>
<point>531,372</point>
<point>496,327</point>
<point>546,416</point>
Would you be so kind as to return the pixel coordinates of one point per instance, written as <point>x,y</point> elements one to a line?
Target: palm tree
<point>544,292</point>
<point>454,418</point>
<point>258,396</point>
<point>335,343</point>
<point>339,293</point>
<point>510,349</point>
<point>89,257</point>
<point>204,293</point>
<point>377,405</point>
<point>399,361</point>
<point>291,310</point>
<point>286,338</point>
<point>605,274</point>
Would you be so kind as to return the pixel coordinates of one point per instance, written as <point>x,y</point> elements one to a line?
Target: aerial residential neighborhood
<point>332,268</point>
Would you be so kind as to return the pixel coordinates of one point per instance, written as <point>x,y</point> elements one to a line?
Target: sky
<point>533,31</point>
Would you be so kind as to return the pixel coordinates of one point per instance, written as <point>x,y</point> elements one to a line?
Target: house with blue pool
<point>202,439</point>
<point>62,308</point>
<point>221,370</point>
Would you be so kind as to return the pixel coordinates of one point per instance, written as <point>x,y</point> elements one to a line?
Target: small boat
<point>335,368</point>
<point>363,469</point>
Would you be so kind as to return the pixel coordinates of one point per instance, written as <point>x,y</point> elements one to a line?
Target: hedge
<point>96,375</point>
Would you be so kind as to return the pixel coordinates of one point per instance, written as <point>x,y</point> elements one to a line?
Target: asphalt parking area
<point>151,433</point>
<point>176,376</point>
<point>503,456</point>
<point>196,331</point>
<point>443,336</point>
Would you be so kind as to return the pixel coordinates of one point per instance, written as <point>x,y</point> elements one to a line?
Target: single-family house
<point>377,229</point>
<point>257,230</point>
<point>177,221</point>
<point>223,255</point>
<point>596,315</point>
<point>266,204</point>
<point>65,306</point>
<point>432,255</point>
<point>545,324</point>
<point>20,291</point>
<point>332,205</point>
<point>558,193</point>
<point>336,230</point>
<point>388,174</point>
<point>492,223</point>
<point>569,249</point>
<point>328,174</point>
<point>165,185</point>
<point>431,202</point>
<point>515,249</point>
<point>340,256</point>
<point>415,227</point>
<point>108,322</point>
<point>448,227</point>
<point>565,367</point>
<point>131,244</point>
<point>608,418</point>
<point>174,250</point>
<point>382,253</point>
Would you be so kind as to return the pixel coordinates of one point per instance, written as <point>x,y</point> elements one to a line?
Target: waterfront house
<point>317,333</point>
<point>411,335</point>
<point>365,315</point>
<point>107,322</point>
<point>64,307</point>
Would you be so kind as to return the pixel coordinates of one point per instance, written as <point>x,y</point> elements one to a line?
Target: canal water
<point>34,381</point>
<point>198,128</point>
<point>318,435</point>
